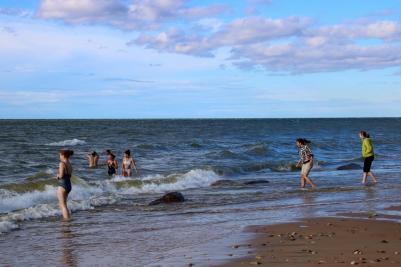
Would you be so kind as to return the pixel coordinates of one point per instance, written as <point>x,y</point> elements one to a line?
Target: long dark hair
<point>364,134</point>
<point>127,152</point>
<point>303,141</point>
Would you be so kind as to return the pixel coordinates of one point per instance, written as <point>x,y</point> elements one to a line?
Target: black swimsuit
<point>112,169</point>
<point>65,181</point>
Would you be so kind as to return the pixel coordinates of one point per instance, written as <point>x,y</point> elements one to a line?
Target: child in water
<point>128,163</point>
<point>64,181</point>
<point>93,159</point>
<point>368,156</point>
<point>306,161</point>
<point>112,164</point>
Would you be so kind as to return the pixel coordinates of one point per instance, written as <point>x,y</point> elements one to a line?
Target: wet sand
<point>323,242</point>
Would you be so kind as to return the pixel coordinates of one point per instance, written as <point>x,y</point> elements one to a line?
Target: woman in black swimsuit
<point>64,181</point>
<point>112,164</point>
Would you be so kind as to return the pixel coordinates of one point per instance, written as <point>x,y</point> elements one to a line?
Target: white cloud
<point>384,29</point>
<point>23,13</point>
<point>21,98</point>
<point>291,44</point>
<point>236,33</point>
<point>139,14</point>
<point>301,58</point>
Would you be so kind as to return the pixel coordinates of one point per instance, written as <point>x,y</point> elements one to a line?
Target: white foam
<point>192,179</point>
<point>72,142</point>
<point>6,226</point>
<point>18,207</point>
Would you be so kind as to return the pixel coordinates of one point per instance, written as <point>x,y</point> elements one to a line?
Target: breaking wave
<point>72,142</point>
<point>37,199</point>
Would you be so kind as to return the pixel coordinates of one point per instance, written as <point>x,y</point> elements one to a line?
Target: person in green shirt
<point>368,156</point>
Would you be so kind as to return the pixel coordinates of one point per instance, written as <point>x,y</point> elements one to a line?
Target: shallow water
<point>112,223</point>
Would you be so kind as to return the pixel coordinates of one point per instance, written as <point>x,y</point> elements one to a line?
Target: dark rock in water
<point>224,183</point>
<point>351,166</point>
<point>172,197</point>
<point>254,182</point>
<point>196,145</point>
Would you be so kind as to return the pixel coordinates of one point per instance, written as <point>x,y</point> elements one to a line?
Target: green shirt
<point>367,148</point>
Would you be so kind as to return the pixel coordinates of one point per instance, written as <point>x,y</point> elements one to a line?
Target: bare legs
<point>305,178</point>
<point>127,173</point>
<point>62,201</point>
<point>365,176</point>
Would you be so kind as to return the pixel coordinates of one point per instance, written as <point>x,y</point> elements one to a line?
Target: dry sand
<point>324,242</point>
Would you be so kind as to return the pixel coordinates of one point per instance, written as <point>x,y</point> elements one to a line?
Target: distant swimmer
<point>112,164</point>
<point>306,161</point>
<point>368,156</point>
<point>64,181</point>
<point>93,159</point>
<point>128,164</point>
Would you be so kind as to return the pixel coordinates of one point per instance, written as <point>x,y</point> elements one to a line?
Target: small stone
<point>236,246</point>
<point>353,263</point>
<point>258,257</point>
<point>230,255</point>
<point>190,264</point>
<point>396,253</point>
<point>357,252</point>
<point>255,263</point>
<point>384,241</point>
<point>321,262</point>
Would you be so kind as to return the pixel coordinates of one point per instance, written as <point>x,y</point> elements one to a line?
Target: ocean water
<point>112,222</point>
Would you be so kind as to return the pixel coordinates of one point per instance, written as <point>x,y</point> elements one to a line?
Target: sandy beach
<point>325,242</point>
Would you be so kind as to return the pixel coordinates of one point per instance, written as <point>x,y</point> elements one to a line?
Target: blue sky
<point>200,59</point>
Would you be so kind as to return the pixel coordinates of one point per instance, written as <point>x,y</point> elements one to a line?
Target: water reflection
<point>309,201</point>
<point>370,195</point>
<point>67,238</point>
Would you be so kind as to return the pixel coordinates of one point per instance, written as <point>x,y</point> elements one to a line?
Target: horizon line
<point>210,118</point>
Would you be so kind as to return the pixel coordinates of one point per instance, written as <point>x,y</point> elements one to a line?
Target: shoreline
<point>326,241</point>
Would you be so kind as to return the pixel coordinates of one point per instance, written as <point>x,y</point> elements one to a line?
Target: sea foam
<point>72,142</point>
<point>18,207</point>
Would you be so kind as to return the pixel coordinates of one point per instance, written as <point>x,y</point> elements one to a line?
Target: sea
<point>233,173</point>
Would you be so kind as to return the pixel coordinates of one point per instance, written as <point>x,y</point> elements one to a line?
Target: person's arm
<point>60,172</point>
<point>299,163</point>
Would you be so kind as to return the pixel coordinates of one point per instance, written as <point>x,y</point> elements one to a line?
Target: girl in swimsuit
<point>64,181</point>
<point>112,164</point>
<point>128,163</point>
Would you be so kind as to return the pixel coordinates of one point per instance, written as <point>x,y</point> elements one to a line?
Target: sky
<point>200,59</point>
